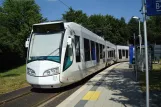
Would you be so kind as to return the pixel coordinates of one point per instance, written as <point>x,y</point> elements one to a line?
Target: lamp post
<point>140,40</point>
<point>140,37</point>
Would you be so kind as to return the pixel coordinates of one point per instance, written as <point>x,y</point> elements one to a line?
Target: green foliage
<point>133,25</point>
<point>16,20</point>
<point>75,16</point>
<point>18,16</point>
<point>116,30</point>
<point>154,29</point>
<point>112,29</point>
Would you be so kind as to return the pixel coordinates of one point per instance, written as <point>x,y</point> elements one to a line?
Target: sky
<point>53,9</point>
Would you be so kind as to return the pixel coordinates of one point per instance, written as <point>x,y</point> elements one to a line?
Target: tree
<point>16,20</point>
<point>97,24</point>
<point>76,16</point>
<point>133,29</point>
<point>124,31</point>
<point>154,29</point>
<point>106,26</point>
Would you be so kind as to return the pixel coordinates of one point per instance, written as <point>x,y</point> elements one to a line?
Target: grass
<point>154,78</point>
<point>13,79</point>
<point>157,66</point>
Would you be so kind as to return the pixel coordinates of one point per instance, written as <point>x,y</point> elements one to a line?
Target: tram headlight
<point>52,71</point>
<point>31,72</point>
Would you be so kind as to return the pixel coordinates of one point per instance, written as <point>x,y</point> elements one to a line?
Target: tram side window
<point>108,54</point>
<point>123,52</point>
<point>93,50</point>
<point>101,51</point>
<point>112,53</point>
<point>127,53</point>
<point>120,54</point>
<point>68,58</point>
<point>97,52</point>
<point>77,48</point>
<point>86,49</point>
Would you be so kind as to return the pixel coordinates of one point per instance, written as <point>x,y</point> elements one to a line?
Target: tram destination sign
<point>153,7</point>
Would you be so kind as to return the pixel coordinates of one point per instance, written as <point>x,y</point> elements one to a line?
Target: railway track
<point>35,97</point>
<point>29,97</point>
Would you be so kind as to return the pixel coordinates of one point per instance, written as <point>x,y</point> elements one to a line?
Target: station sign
<point>153,7</point>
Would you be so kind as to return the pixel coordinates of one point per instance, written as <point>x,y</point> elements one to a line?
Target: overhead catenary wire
<point>64,4</point>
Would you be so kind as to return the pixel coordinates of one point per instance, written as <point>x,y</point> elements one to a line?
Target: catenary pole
<point>146,53</point>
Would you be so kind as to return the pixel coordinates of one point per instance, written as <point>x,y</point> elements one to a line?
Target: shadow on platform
<point>121,83</point>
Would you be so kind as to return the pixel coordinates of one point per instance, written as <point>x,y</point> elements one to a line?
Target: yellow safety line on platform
<point>95,95</point>
<point>91,95</point>
<point>88,95</point>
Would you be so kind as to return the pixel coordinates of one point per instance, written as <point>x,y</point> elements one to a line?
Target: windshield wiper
<point>53,51</point>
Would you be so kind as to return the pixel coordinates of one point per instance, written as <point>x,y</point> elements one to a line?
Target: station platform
<point>113,87</point>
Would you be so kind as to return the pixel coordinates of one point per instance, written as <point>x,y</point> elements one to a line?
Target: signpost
<point>153,7</point>
<point>146,52</point>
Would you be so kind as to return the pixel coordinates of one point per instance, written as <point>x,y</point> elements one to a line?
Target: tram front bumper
<point>44,82</point>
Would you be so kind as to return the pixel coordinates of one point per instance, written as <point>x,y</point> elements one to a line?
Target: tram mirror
<point>27,43</point>
<point>69,41</point>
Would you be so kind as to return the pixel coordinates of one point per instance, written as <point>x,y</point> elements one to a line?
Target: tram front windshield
<point>46,44</point>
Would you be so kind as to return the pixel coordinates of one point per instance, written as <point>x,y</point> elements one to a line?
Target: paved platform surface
<point>113,87</point>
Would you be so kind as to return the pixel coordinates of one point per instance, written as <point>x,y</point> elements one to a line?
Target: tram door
<point>123,54</point>
<point>120,54</point>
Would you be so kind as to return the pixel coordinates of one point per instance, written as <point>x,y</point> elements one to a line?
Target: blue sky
<point>53,9</point>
